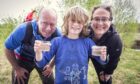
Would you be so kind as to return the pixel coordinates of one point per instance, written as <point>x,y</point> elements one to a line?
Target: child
<point>71,50</point>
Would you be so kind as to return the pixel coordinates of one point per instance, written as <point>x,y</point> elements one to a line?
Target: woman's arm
<point>114,51</point>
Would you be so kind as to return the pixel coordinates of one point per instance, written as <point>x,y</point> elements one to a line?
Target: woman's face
<point>101,21</point>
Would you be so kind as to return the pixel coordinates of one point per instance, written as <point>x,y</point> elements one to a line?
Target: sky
<point>136,5</point>
<point>15,8</point>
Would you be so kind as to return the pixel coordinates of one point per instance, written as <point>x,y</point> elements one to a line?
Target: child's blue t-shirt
<point>71,59</point>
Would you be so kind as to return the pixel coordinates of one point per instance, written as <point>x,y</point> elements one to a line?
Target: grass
<point>127,72</point>
<point>128,69</point>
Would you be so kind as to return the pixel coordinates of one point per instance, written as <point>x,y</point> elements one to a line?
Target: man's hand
<point>48,70</point>
<point>20,74</point>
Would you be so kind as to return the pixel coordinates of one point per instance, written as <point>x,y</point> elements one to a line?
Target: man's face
<point>46,24</point>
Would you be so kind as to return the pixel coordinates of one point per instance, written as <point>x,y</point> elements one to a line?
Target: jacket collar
<point>107,35</point>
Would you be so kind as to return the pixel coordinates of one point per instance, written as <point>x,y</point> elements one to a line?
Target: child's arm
<point>38,50</point>
<point>99,53</point>
<point>39,56</point>
<point>48,69</point>
<point>42,58</point>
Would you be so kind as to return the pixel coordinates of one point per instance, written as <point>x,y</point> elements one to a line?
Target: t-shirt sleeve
<point>92,43</point>
<point>47,55</point>
<point>53,49</point>
<point>42,62</point>
<point>15,38</point>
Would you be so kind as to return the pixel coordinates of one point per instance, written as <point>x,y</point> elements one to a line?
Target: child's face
<point>75,27</point>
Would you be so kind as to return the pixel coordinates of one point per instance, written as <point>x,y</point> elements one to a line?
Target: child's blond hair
<point>78,14</point>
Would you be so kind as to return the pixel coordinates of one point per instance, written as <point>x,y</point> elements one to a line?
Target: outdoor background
<point>126,18</point>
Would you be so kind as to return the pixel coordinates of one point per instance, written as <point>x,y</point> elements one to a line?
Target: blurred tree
<point>124,11</point>
<point>124,18</point>
<point>86,3</point>
<point>7,25</point>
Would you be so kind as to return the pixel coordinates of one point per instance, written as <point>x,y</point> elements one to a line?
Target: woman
<point>104,34</point>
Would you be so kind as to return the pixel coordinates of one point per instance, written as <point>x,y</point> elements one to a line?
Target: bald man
<point>19,46</point>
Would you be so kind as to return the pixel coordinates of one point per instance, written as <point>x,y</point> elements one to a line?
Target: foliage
<point>6,26</point>
<point>128,33</point>
<point>124,19</point>
<point>124,11</point>
<point>86,3</point>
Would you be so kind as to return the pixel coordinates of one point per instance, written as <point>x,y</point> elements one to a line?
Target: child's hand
<point>48,70</point>
<point>99,51</point>
<point>38,46</point>
<point>38,50</point>
<point>103,53</point>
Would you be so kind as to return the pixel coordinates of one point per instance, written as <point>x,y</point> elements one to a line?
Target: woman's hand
<point>104,77</point>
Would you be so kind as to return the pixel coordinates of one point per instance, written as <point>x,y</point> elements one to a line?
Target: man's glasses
<point>102,19</point>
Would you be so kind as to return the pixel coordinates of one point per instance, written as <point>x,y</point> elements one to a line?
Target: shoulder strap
<point>54,34</point>
<point>28,33</point>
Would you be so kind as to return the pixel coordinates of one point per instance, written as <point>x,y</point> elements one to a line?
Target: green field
<point>127,72</point>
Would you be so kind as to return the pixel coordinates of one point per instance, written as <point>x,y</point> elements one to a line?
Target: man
<point>21,54</point>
